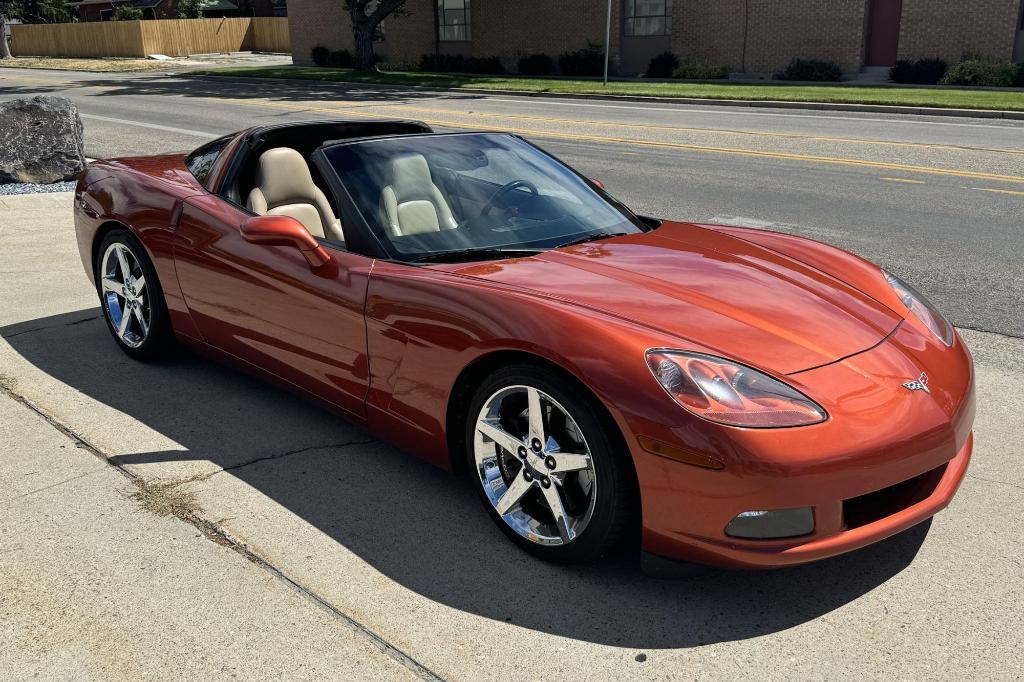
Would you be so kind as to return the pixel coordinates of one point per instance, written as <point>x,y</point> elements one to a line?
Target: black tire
<point>159,340</point>
<point>615,511</point>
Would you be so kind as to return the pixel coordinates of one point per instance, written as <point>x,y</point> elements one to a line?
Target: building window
<point>647,17</point>
<point>106,14</point>
<point>453,20</point>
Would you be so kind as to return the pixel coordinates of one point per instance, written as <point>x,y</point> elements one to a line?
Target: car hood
<point>719,292</point>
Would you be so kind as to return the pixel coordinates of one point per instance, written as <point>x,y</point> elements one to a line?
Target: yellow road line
<point>899,167</point>
<point>906,180</point>
<point>1000,191</point>
<point>720,131</point>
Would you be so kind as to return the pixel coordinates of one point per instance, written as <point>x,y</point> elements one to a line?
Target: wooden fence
<point>172,37</point>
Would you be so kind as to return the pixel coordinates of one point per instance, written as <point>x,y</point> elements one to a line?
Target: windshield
<point>475,195</point>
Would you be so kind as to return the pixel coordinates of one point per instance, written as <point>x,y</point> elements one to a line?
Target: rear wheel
<point>546,468</point>
<point>131,298</point>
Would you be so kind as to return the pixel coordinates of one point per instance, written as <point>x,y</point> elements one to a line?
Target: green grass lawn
<point>956,98</point>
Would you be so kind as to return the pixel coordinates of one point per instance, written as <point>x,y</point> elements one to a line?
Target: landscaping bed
<point>833,93</point>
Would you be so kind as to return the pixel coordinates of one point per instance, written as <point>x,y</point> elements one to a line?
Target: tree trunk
<point>363,58</point>
<point>5,50</point>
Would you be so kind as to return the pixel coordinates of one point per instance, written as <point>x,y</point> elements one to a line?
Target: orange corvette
<point>714,394</point>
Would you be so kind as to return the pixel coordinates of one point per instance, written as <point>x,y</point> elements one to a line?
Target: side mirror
<point>281,230</point>
<point>597,182</point>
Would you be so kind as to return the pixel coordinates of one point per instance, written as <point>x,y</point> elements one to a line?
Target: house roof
<point>219,5</point>
<point>141,4</point>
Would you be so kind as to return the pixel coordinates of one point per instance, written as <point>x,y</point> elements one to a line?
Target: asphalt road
<point>338,556</point>
<point>937,200</point>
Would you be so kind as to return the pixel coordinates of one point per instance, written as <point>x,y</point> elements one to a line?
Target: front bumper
<point>886,460</point>
<point>760,554</point>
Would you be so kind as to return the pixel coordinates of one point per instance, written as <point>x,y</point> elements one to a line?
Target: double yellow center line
<point>361,111</point>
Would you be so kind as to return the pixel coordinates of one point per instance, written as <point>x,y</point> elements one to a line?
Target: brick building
<point>757,36</point>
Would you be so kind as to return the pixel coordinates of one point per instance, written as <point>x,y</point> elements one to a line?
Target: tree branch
<point>384,8</point>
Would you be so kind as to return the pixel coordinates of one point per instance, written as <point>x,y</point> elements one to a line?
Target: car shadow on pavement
<point>185,85</point>
<point>420,526</point>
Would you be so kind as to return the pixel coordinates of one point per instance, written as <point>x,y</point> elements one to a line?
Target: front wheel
<point>546,466</point>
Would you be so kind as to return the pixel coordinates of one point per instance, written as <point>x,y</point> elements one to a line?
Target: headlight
<point>921,308</point>
<point>729,393</point>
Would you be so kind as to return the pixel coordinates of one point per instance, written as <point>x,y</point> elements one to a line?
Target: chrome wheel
<point>125,298</point>
<point>534,465</point>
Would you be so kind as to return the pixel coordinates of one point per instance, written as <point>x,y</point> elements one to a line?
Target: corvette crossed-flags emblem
<point>919,384</point>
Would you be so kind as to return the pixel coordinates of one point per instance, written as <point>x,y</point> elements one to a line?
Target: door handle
<point>87,209</point>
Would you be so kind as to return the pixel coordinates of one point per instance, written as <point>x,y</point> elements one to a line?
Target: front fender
<point>425,326</point>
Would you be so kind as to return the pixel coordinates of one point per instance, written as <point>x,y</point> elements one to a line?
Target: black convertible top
<point>337,130</point>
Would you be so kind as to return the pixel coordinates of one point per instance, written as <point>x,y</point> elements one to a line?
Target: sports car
<point>705,394</point>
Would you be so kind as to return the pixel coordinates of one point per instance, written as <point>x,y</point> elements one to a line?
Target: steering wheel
<point>505,189</point>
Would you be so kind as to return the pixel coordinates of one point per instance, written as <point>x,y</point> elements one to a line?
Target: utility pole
<point>607,40</point>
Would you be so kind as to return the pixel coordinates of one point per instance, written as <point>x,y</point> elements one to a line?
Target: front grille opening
<point>864,509</point>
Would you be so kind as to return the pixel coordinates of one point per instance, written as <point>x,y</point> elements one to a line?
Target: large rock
<point>40,140</point>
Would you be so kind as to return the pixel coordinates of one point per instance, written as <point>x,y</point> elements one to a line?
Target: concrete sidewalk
<point>94,587</point>
<point>304,548</point>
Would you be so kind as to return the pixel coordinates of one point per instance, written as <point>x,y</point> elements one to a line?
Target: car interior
<point>284,186</point>
<point>419,202</point>
<point>412,203</point>
<point>274,175</point>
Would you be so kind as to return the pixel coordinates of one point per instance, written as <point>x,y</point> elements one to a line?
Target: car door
<point>264,304</point>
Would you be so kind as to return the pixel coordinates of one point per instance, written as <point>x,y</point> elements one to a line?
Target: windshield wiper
<point>592,238</point>
<point>472,254</point>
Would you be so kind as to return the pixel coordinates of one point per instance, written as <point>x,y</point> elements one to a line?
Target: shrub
<point>662,65</point>
<point>340,59</point>
<point>442,62</point>
<point>921,72</point>
<point>456,63</point>
<point>536,65</point>
<point>587,61</point>
<point>810,70</point>
<point>485,65</point>
<point>125,12</point>
<point>690,68</point>
<point>320,55</point>
<point>983,72</point>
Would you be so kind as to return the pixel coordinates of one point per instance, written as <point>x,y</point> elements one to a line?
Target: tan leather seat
<point>412,203</point>
<point>284,186</point>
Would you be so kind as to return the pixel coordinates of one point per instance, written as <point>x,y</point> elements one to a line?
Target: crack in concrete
<point>992,480</point>
<point>53,485</point>
<point>33,330</point>
<point>25,331</point>
<point>990,331</point>
<point>216,533</point>
<point>290,453</point>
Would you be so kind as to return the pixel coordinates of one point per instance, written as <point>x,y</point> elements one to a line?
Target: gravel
<point>31,188</point>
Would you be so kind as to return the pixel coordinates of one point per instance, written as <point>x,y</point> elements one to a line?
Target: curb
<point>699,101</point>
